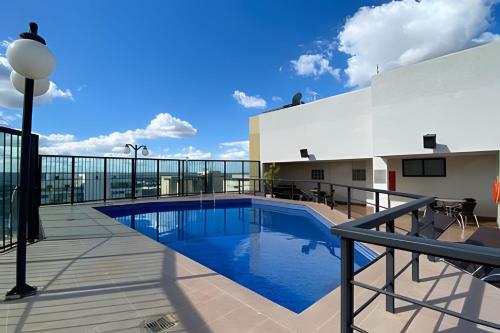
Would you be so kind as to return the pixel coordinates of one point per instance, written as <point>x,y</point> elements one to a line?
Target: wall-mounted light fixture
<point>304,153</point>
<point>430,141</point>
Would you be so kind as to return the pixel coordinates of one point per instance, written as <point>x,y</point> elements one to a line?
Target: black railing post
<point>349,202</point>
<point>239,186</point>
<point>105,178</point>
<point>254,188</point>
<point>180,178</point>
<point>389,271</point>
<point>415,265</point>
<point>377,206</point>
<point>158,185</point>
<point>346,287</point>
<point>318,192</point>
<point>258,165</point>
<point>72,180</point>
<point>225,177</point>
<point>272,188</point>
<point>134,166</point>
<point>331,196</point>
<point>206,178</point>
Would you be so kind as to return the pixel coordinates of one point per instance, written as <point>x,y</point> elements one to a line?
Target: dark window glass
<point>358,174</point>
<point>413,168</point>
<point>317,174</point>
<point>426,167</point>
<point>435,167</point>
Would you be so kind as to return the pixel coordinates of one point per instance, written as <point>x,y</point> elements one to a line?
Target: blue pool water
<point>283,252</point>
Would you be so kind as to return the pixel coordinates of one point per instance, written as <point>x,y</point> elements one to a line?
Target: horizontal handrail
<point>376,219</point>
<point>144,158</point>
<point>427,305</point>
<point>355,187</point>
<point>458,251</point>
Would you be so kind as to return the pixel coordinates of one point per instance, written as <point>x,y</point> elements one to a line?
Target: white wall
<point>468,176</point>
<point>337,127</point>
<point>456,97</point>
<point>339,172</point>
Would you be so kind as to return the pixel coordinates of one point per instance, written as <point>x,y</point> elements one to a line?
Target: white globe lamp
<point>19,82</point>
<point>31,59</point>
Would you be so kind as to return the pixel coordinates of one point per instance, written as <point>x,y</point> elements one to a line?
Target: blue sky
<point>205,67</point>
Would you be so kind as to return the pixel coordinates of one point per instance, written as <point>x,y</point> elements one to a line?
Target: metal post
<point>180,184</point>
<point>317,193</point>
<point>22,289</point>
<point>415,265</point>
<point>348,202</point>
<point>331,195</point>
<point>293,190</point>
<point>134,165</point>
<point>105,178</point>
<point>206,180</point>
<point>389,271</point>
<point>259,175</point>
<point>346,287</point>
<point>272,188</point>
<point>254,187</point>
<point>225,176</point>
<point>158,187</point>
<point>72,180</point>
<point>377,206</point>
<point>239,186</point>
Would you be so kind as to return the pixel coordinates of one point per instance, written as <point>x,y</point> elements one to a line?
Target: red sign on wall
<point>392,181</point>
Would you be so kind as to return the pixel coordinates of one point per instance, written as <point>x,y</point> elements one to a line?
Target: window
<point>424,167</point>
<point>358,174</point>
<point>317,174</point>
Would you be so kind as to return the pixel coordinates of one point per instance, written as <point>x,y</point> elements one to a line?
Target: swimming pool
<point>284,252</point>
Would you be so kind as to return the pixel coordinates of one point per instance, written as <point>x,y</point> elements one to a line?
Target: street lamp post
<point>32,63</point>
<point>136,148</point>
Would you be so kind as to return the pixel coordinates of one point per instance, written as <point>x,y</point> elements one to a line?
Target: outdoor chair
<point>468,211</point>
<point>483,236</point>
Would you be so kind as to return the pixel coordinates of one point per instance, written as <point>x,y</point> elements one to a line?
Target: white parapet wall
<point>456,97</point>
<point>333,128</point>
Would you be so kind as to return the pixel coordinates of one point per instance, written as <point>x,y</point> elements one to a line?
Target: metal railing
<point>367,228</point>
<point>78,179</point>
<point>320,191</point>
<point>10,150</point>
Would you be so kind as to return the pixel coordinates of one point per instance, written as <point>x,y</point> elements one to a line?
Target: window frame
<point>320,172</point>
<point>422,160</point>
<point>357,172</point>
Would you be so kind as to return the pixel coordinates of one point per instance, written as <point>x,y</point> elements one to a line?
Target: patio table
<point>450,203</point>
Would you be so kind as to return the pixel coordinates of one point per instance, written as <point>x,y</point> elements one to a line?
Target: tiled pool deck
<point>96,275</point>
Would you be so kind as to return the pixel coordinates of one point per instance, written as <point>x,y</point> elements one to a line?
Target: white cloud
<point>163,125</point>
<point>10,98</point>
<point>312,95</point>
<point>487,37</point>
<point>314,65</point>
<point>277,99</point>
<point>236,150</point>
<point>191,153</point>
<point>249,101</point>
<point>408,31</point>
<point>51,139</point>
<point>7,119</point>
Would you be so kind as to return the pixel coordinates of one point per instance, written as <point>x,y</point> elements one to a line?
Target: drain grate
<point>160,325</point>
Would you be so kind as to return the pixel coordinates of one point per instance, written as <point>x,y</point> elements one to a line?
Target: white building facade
<point>380,129</point>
